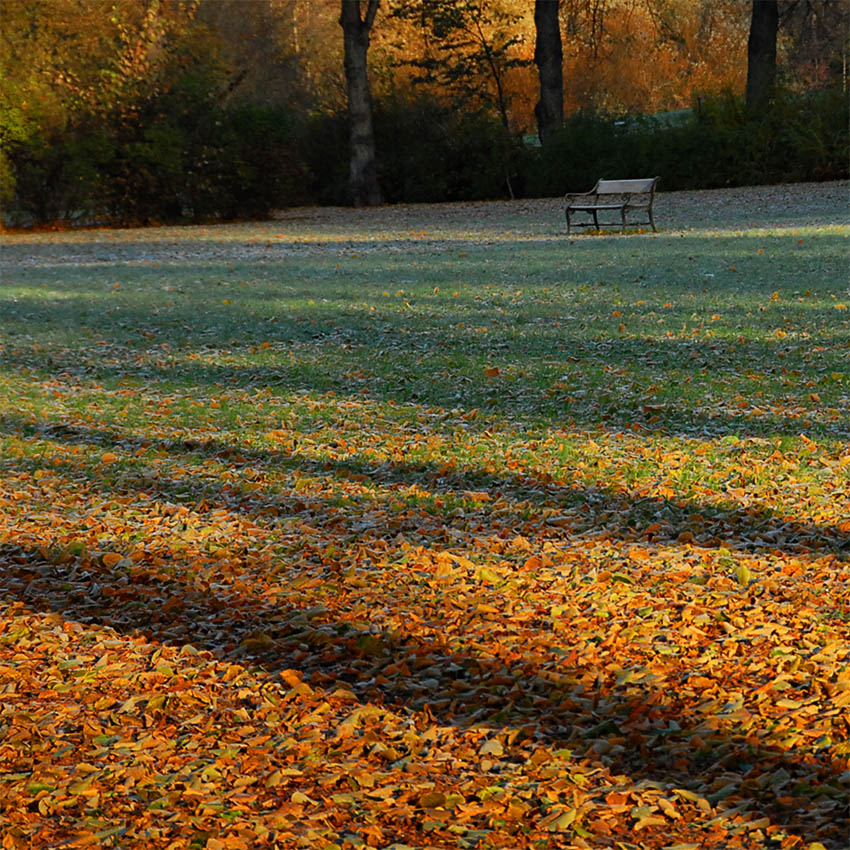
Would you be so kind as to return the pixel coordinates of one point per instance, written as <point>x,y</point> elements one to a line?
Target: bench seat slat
<point>586,207</point>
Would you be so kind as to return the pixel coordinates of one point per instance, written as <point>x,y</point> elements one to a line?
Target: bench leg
<point>595,220</point>
<point>623,217</point>
<point>652,221</point>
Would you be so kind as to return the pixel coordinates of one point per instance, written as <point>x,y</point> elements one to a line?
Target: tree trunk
<point>761,53</point>
<point>549,57</point>
<point>363,178</point>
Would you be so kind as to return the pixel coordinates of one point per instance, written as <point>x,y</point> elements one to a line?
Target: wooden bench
<point>624,196</point>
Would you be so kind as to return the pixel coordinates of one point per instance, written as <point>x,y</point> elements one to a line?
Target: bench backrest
<point>620,187</point>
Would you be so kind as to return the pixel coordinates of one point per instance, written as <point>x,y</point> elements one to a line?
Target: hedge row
<point>183,157</point>
<point>717,144</point>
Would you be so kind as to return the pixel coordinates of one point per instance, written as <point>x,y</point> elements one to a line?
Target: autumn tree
<point>818,41</point>
<point>76,76</point>
<point>281,52</point>
<point>761,53</point>
<point>469,49</point>
<point>549,57</point>
<point>356,29</point>
<point>96,56</point>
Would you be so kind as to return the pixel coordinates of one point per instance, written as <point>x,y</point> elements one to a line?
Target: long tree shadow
<point>435,361</point>
<point>626,383</point>
<point>656,729</point>
<point>450,384</point>
<point>615,514</point>
<point>423,642</point>
<point>418,631</point>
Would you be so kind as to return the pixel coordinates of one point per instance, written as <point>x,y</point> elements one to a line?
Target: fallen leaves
<point>448,640</point>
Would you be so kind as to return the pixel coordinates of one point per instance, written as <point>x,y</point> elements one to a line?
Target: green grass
<point>687,335</point>
<point>676,363</point>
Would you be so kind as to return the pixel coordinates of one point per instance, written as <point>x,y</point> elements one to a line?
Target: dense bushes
<point>185,154</point>
<point>717,144</point>
<point>430,152</point>
<point>174,153</point>
<point>171,165</point>
<point>427,152</point>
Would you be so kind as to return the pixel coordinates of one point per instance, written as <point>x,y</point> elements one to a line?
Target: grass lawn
<point>429,527</point>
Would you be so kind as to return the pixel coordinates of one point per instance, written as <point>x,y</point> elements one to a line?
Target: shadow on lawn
<point>432,664</point>
<point>317,320</point>
<point>650,397</point>
<point>657,735</point>
<point>511,682</point>
<point>604,511</point>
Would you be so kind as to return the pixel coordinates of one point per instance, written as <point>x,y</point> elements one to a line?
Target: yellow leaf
<point>109,457</point>
<point>233,672</point>
<point>432,800</point>
<point>668,808</point>
<point>648,821</point>
<point>493,747</point>
<point>742,573</point>
<point>83,785</point>
<point>562,823</point>
<point>110,559</point>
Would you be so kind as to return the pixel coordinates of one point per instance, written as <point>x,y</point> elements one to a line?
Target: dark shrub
<point>430,152</point>
<point>718,144</point>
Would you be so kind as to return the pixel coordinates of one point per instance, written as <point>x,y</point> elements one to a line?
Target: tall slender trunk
<point>363,177</point>
<point>761,53</point>
<point>549,57</point>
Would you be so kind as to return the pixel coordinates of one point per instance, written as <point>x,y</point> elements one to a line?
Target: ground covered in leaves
<point>429,527</point>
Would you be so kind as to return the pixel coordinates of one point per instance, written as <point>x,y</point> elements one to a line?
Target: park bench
<point>625,196</point>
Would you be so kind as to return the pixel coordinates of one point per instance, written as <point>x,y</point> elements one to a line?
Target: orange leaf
<point>291,677</point>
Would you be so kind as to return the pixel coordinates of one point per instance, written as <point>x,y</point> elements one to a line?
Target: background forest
<point>138,112</point>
